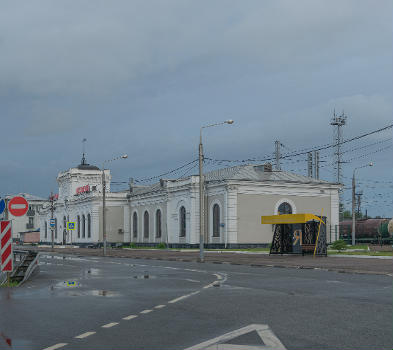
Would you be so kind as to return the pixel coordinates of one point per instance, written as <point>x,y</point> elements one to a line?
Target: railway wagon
<point>367,231</point>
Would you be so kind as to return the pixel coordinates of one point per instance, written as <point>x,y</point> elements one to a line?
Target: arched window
<point>88,226</point>
<point>284,208</point>
<point>83,226</point>
<point>146,224</point>
<point>135,225</point>
<point>158,223</point>
<point>46,229</point>
<point>182,221</point>
<point>78,219</point>
<point>216,220</point>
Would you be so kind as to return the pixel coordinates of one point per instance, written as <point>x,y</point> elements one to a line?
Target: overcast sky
<point>141,77</point>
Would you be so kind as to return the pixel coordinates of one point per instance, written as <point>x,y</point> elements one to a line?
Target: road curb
<point>338,269</point>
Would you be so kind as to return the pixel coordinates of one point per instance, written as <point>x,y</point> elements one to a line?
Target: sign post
<point>71,227</point>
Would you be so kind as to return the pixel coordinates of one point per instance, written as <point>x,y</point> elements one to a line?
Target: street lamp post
<point>354,202</point>
<point>201,191</point>
<point>124,156</point>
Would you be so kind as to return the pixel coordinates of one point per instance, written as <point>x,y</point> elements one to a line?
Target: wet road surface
<point>108,303</point>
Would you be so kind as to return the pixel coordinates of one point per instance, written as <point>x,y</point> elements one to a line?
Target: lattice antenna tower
<point>338,122</point>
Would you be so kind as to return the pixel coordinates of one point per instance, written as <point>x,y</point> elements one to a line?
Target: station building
<point>79,200</point>
<point>168,211</point>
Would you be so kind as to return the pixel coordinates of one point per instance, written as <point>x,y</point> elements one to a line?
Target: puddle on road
<point>93,271</point>
<point>103,293</point>
<point>144,277</point>
<point>65,284</point>
<point>61,257</point>
<point>95,293</point>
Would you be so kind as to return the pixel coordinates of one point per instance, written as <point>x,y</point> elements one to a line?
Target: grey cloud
<point>80,48</point>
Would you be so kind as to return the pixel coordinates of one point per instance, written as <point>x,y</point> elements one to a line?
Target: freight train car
<point>373,231</point>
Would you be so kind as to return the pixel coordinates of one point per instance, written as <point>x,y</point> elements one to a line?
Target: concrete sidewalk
<point>341,264</point>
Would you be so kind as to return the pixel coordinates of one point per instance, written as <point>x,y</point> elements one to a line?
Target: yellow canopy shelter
<point>289,219</point>
<point>297,233</point>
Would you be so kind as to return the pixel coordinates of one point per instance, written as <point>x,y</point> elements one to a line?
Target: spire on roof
<point>83,161</point>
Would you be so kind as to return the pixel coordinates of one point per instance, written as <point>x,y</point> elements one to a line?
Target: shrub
<point>161,246</point>
<point>339,245</point>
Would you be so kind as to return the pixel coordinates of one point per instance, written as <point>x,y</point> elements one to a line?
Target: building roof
<point>253,172</point>
<point>31,197</point>
<point>245,172</point>
<point>85,166</point>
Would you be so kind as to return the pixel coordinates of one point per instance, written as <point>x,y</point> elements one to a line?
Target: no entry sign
<point>6,246</point>
<point>18,206</point>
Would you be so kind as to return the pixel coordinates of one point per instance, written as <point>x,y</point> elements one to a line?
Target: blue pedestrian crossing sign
<point>52,223</point>
<point>2,205</point>
<point>70,225</point>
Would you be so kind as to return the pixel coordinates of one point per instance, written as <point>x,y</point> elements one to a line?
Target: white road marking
<point>218,276</point>
<point>182,297</point>
<point>57,346</point>
<point>268,340</point>
<point>109,325</point>
<point>190,280</point>
<point>178,299</point>
<point>146,311</point>
<point>159,306</point>
<point>84,335</point>
<point>129,317</point>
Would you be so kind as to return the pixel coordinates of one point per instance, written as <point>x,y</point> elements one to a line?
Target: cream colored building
<point>236,198</point>
<point>80,200</point>
<point>168,211</point>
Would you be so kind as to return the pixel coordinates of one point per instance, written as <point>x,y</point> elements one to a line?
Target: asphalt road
<point>121,303</point>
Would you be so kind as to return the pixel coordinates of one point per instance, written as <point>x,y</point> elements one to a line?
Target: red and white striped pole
<point>6,256</point>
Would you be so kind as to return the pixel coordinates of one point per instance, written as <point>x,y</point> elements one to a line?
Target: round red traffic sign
<point>18,206</point>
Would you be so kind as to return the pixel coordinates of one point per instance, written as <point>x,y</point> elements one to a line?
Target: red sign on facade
<point>83,189</point>
<point>54,197</point>
<point>6,246</point>
<point>18,206</point>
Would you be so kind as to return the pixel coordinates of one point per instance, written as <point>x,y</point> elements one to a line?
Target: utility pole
<point>358,202</point>
<point>201,202</point>
<point>124,156</point>
<point>309,164</point>
<point>277,154</point>
<point>201,191</point>
<point>354,202</point>
<point>52,209</point>
<point>338,122</point>
<point>103,210</point>
<point>353,210</point>
<point>316,165</point>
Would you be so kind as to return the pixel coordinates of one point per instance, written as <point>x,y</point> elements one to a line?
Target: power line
<point>367,154</point>
<point>295,154</point>
<point>166,173</point>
